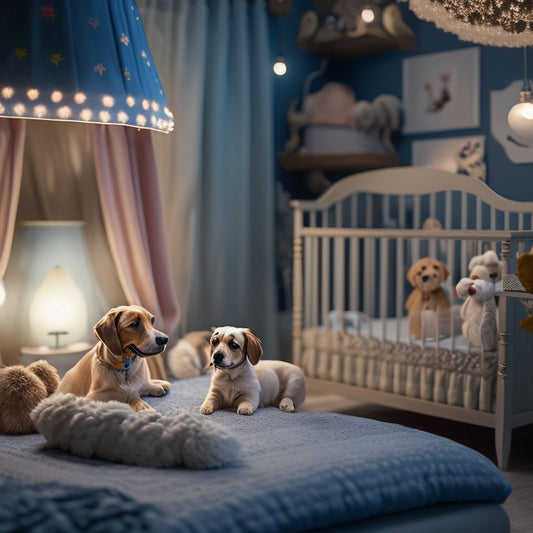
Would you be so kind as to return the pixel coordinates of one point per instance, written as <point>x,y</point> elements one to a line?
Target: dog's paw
<point>287,405</point>
<point>159,387</point>
<point>139,405</point>
<point>207,408</point>
<point>245,408</point>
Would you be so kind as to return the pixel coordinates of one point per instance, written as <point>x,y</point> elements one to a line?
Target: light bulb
<point>367,15</point>
<point>520,119</point>
<point>280,68</point>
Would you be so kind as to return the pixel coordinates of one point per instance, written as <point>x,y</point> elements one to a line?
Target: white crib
<point>352,249</point>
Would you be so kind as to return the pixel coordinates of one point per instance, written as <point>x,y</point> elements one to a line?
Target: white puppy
<point>236,383</point>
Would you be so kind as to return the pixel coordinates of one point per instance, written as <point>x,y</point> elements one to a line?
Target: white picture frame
<point>440,91</point>
<point>461,155</point>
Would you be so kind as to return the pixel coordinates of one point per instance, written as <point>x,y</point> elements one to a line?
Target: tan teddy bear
<point>21,389</point>
<point>426,276</point>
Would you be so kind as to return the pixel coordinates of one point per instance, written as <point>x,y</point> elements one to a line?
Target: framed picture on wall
<point>441,91</point>
<point>462,155</point>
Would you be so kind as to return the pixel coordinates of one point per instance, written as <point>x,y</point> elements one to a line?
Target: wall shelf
<point>356,162</point>
<point>354,47</point>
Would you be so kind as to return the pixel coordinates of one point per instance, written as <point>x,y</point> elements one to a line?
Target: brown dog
<point>236,383</point>
<point>115,369</point>
<point>190,355</point>
<point>426,276</point>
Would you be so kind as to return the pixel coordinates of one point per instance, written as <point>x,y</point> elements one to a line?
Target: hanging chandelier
<point>507,23</point>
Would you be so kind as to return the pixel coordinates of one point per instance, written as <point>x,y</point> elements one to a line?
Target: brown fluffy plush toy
<point>524,271</point>
<point>426,276</point>
<point>21,389</point>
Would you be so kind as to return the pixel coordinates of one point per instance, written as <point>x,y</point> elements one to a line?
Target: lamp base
<point>62,359</point>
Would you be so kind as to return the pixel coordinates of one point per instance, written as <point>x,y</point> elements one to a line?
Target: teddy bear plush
<point>21,389</point>
<point>479,309</point>
<point>524,271</point>
<point>426,276</point>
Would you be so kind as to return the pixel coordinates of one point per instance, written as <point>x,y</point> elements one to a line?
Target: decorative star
<point>56,58</point>
<point>48,11</point>
<point>93,23</point>
<point>21,53</point>
<point>127,74</point>
<point>124,39</point>
<point>99,67</point>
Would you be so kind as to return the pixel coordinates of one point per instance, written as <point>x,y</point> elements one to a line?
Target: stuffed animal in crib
<point>479,309</point>
<point>489,260</point>
<point>524,271</point>
<point>21,389</point>
<point>426,276</point>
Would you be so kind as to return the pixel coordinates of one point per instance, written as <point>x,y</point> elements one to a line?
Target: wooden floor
<point>519,505</point>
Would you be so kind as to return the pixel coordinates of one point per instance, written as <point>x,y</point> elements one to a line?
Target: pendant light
<point>520,117</point>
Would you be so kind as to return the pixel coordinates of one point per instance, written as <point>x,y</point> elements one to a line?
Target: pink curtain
<point>131,207</point>
<point>12,135</point>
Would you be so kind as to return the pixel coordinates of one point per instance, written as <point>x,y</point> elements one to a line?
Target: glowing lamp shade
<point>520,119</point>
<point>58,313</point>
<point>84,61</point>
<point>52,277</point>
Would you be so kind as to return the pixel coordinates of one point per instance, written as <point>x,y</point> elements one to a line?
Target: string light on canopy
<point>507,23</point>
<point>83,61</point>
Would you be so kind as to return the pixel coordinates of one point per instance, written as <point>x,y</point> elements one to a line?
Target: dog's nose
<point>425,278</point>
<point>217,357</point>
<point>493,275</point>
<point>161,341</point>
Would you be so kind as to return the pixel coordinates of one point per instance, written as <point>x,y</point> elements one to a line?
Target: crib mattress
<point>370,356</point>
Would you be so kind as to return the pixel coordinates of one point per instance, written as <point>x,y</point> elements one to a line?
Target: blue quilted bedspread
<point>297,472</point>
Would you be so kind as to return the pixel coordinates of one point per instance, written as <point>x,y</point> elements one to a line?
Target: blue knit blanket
<point>296,471</point>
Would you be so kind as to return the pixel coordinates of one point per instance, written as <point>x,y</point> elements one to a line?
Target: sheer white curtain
<point>216,169</point>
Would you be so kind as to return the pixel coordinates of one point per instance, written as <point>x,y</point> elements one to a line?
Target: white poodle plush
<point>478,311</point>
<point>489,260</point>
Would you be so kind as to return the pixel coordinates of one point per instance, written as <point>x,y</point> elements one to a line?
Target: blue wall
<point>382,73</point>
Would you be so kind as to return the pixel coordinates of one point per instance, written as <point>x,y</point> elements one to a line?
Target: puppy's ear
<point>254,349</point>
<point>445,271</point>
<point>411,273</point>
<point>107,331</point>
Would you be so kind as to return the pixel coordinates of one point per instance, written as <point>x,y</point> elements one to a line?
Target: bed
<point>301,471</point>
<point>352,249</point>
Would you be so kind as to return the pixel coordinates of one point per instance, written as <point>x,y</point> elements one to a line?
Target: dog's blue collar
<point>127,364</point>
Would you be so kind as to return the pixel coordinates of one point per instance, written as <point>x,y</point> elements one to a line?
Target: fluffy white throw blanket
<point>113,431</point>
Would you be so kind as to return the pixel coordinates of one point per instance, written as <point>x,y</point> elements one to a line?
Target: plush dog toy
<point>21,389</point>
<point>426,276</point>
<point>478,312</point>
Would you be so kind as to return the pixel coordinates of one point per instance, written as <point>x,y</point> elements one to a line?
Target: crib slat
<point>354,274</point>
<point>448,212</point>
<point>325,271</point>
<point>400,286</point>
<point>338,274</point>
<point>401,211</point>
<point>368,274</point>
<point>383,284</point>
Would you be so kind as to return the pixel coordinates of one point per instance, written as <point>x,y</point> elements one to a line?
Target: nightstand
<point>62,359</point>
